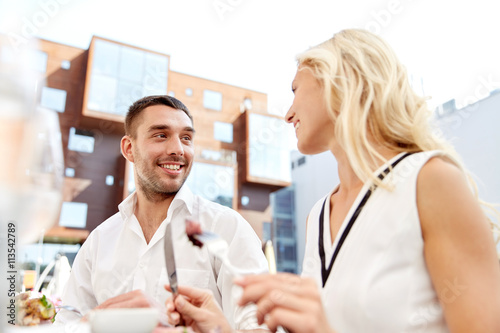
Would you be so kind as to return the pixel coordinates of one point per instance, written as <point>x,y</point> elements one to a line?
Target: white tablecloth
<point>76,327</point>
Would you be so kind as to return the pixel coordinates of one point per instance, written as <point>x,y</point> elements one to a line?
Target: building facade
<point>240,156</point>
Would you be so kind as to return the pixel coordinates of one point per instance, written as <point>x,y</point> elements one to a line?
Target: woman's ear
<point>126,148</point>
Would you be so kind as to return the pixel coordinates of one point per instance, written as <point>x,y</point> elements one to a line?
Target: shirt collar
<point>127,206</point>
<point>184,196</point>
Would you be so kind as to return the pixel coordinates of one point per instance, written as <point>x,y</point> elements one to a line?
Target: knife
<point>170,259</point>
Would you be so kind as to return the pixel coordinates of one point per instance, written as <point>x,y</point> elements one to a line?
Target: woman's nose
<point>289,115</point>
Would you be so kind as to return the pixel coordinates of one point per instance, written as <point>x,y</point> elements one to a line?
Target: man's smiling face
<point>162,150</point>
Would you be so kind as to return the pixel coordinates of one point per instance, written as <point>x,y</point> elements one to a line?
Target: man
<point>122,264</point>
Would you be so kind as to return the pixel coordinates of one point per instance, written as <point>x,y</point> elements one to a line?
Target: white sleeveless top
<point>379,281</point>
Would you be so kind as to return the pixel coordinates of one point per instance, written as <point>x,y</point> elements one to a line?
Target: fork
<point>219,248</point>
<point>216,246</point>
<point>70,308</point>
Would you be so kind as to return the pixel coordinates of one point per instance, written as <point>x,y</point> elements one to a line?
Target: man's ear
<point>126,148</point>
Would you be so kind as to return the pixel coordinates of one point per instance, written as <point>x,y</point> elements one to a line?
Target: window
<point>266,231</point>
<point>31,254</point>
<point>446,108</point>
<point>245,200</point>
<point>220,155</point>
<point>130,177</point>
<point>212,182</point>
<point>131,65</point>
<point>247,103</point>
<point>285,228</point>
<point>110,180</point>
<point>54,99</point>
<point>286,252</point>
<point>212,100</point>
<point>223,132</point>
<point>69,172</point>
<point>188,92</point>
<point>106,58</point>
<point>39,61</point>
<point>268,153</point>
<point>65,64</point>
<point>102,93</point>
<point>35,59</point>
<point>81,140</point>
<point>73,215</point>
<point>283,202</point>
<point>120,75</point>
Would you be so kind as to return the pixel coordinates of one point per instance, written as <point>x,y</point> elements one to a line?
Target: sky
<point>450,48</point>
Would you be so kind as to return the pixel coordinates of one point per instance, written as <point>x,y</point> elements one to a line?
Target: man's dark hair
<point>139,105</point>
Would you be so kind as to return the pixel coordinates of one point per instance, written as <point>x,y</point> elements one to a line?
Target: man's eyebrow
<point>189,129</point>
<point>166,127</point>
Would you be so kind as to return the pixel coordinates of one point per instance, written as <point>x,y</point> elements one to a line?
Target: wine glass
<point>38,194</point>
<point>31,172</point>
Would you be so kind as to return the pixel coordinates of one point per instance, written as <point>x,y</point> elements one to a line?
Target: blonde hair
<point>370,101</point>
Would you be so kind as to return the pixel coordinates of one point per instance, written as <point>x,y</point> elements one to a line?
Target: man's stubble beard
<point>154,190</point>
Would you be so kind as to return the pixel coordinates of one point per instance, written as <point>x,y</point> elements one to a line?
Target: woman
<point>401,244</point>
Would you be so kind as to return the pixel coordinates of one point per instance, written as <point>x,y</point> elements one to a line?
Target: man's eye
<point>187,138</point>
<point>161,135</point>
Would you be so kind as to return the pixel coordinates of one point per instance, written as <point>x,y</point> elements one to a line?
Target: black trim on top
<point>325,273</point>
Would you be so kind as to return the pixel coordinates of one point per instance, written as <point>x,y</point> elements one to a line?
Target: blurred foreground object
<point>31,172</point>
<point>29,279</point>
<point>31,176</point>
<point>62,270</point>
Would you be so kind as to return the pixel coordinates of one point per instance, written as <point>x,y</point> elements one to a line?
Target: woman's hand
<point>285,300</point>
<point>198,309</point>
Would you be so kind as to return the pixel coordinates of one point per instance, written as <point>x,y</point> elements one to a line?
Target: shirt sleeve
<point>78,291</point>
<point>246,255</point>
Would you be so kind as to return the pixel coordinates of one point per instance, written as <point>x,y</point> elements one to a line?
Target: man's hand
<point>132,299</point>
<point>198,309</point>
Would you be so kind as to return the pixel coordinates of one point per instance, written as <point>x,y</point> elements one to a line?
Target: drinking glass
<point>31,170</point>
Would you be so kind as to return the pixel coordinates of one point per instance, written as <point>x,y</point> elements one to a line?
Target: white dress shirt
<point>116,259</point>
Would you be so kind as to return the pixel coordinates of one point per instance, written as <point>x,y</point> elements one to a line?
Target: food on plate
<point>32,311</point>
